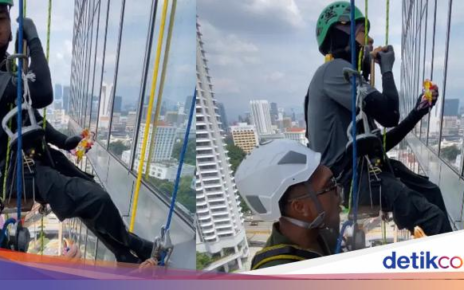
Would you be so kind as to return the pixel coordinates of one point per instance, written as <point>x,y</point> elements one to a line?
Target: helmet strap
<point>318,222</point>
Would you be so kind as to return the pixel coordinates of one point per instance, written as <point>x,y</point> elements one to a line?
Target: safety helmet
<point>337,12</point>
<point>269,170</point>
<point>7,2</point>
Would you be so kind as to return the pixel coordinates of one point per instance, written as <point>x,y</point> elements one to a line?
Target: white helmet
<point>269,170</point>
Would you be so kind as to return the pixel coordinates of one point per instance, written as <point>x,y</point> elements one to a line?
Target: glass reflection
<point>451,142</point>
<point>129,79</point>
<point>107,86</point>
<point>162,156</point>
<point>438,71</point>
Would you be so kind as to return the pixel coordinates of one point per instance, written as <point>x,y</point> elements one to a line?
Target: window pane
<point>164,147</point>
<point>107,87</point>
<point>451,141</point>
<point>438,70</point>
<point>130,74</point>
<point>428,60</point>
<point>98,64</point>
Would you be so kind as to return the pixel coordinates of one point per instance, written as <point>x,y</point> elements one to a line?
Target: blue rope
<point>340,237</point>
<point>179,169</point>
<point>5,227</point>
<point>19,167</point>
<point>353,117</point>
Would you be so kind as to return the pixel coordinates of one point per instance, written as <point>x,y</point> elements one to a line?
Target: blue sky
<point>267,49</point>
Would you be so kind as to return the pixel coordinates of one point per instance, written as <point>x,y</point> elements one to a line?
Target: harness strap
<point>282,252</point>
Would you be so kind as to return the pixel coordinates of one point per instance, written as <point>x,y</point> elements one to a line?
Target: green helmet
<point>7,2</point>
<point>338,12</point>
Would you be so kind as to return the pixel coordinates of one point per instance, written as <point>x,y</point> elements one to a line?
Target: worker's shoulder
<point>336,66</point>
<point>331,68</point>
<point>274,263</point>
<point>276,255</point>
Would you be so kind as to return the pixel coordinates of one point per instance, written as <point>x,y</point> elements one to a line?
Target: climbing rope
<point>19,157</point>
<point>353,118</point>
<point>179,171</point>
<point>149,112</point>
<point>161,89</point>
<point>387,28</point>
<point>47,55</point>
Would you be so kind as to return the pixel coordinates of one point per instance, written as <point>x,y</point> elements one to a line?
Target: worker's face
<point>361,37</point>
<point>327,193</point>
<point>5,26</point>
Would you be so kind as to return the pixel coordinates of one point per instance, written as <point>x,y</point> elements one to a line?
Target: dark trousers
<point>413,199</point>
<point>72,193</point>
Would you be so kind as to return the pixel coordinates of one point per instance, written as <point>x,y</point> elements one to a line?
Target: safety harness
<point>282,252</point>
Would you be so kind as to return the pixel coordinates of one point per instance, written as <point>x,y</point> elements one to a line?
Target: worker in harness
<point>413,199</point>
<point>56,181</point>
<point>284,181</point>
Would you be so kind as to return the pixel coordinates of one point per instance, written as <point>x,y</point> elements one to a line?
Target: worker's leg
<point>420,184</point>
<point>410,208</point>
<point>66,167</point>
<point>75,197</point>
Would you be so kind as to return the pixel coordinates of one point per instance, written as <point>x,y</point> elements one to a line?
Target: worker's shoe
<point>141,247</point>
<point>127,257</point>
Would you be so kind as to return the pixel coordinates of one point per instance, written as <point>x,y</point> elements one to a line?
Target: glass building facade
<point>114,49</point>
<point>430,50</point>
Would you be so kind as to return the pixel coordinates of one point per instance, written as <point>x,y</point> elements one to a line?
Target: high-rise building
<point>58,92</point>
<point>274,113</point>
<point>131,120</point>
<point>164,142</point>
<point>222,114</point>
<point>297,134</point>
<point>244,136</point>
<point>66,94</point>
<point>451,107</point>
<point>287,123</point>
<point>219,217</point>
<point>261,116</point>
<point>117,104</point>
<point>105,100</point>
<point>171,117</point>
<point>188,104</point>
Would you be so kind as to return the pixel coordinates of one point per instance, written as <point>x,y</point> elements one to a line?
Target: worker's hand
<point>423,106</point>
<point>385,57</point>
<point>72,142</point>
<point>30,31</point>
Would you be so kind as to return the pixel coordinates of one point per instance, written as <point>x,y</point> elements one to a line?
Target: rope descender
<point>162,247</point>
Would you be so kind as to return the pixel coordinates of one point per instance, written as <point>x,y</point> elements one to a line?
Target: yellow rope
<point>49,21</point>
<point>161,89</point>
<point>148,121</point>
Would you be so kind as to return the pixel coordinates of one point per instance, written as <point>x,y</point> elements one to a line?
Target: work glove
<point>72,142</point>
<point>386,58</point>
<point>423,106</point>
<point>30,31</point>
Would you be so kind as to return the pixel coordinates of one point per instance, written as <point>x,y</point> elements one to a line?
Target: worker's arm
<point>41,89</point>
<point>382,107</point>
<point>57,138</point>
<point>395,135</point>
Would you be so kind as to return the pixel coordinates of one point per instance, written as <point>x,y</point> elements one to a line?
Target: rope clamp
<point>163,247</point>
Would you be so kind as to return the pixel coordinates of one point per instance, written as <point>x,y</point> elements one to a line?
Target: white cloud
<point>225,85</point>
<point>275,76</point>
<point>284,10</point>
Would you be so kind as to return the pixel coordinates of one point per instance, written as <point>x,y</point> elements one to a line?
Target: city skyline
<point>272,53</point>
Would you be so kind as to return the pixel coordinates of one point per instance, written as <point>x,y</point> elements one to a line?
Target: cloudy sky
<point>267,49</point>
<point>180,79</point>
